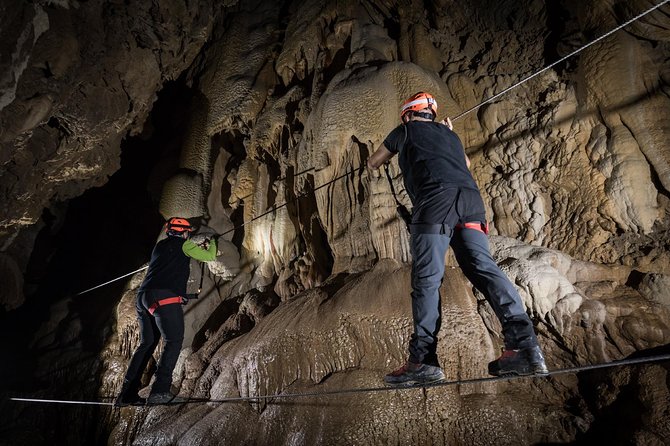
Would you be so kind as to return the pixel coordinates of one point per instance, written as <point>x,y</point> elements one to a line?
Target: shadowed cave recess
<point>253,118</point>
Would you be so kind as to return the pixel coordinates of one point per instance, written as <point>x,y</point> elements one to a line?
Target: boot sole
<point>414,382</point>
<point>519,373</point>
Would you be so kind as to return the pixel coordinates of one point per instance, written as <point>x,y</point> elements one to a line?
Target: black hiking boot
<point>525,361</point>
<point>412,373</point>
<point>129,400</point>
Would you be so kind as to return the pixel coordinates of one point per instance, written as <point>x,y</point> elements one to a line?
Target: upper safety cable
<point>460,115</point>
<point>563,59</point>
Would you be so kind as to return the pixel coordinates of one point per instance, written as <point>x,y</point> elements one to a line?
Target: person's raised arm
<point>197,252</point>
<point>381,155</point>
<point>448,123</point>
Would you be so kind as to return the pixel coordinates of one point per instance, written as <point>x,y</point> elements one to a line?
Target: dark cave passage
<point>105,233</point>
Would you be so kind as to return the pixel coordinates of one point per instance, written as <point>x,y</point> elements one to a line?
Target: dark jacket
<point>169,266</point>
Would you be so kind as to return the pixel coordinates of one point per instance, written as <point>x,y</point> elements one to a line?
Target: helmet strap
<point>424,115</point>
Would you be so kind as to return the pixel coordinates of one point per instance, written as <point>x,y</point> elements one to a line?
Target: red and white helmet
<point>418,102</point>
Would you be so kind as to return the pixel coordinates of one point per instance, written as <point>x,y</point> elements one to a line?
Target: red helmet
<point>178,225</point>
<point>418,102</point>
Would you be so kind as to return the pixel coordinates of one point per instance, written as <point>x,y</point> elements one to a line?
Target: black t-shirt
<point>169,269</point>
<point>434,169</point>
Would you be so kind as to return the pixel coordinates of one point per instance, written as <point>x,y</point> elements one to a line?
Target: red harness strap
<point>476,225</point>
<point>166,301</point>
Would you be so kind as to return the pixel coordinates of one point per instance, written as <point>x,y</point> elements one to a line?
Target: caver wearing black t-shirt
<point>436,175</point>
<point>448,211</point>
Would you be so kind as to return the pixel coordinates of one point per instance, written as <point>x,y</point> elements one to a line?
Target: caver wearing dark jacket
<point>159,311</point>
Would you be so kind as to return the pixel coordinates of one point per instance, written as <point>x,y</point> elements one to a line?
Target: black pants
<point>168,322</point>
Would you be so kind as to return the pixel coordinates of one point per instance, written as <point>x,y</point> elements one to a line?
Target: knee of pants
<point>427,281</point>
<point>422,292</point>
<point>175,335</point>
<point>174,339</point>
<point>147,344</point>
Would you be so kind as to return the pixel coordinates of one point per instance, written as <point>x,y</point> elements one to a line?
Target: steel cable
<point>568,370</point>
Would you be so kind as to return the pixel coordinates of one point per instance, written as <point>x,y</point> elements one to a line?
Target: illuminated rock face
<point>312,293</point>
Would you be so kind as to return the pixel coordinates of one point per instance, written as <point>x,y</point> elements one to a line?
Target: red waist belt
<point>477,226</point>
<point>166,301</point>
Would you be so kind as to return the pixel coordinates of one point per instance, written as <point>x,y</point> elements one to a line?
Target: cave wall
<point>309,290</point>
<point>77,78</point>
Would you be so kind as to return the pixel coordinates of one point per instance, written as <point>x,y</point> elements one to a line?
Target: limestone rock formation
<point>76,79</point>
<point>279,105</point>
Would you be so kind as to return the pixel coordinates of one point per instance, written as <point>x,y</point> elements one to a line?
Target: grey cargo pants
<point>472,252</point>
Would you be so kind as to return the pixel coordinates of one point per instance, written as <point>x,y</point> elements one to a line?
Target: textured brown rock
<point>71,92</point>
<point>322,343</point>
